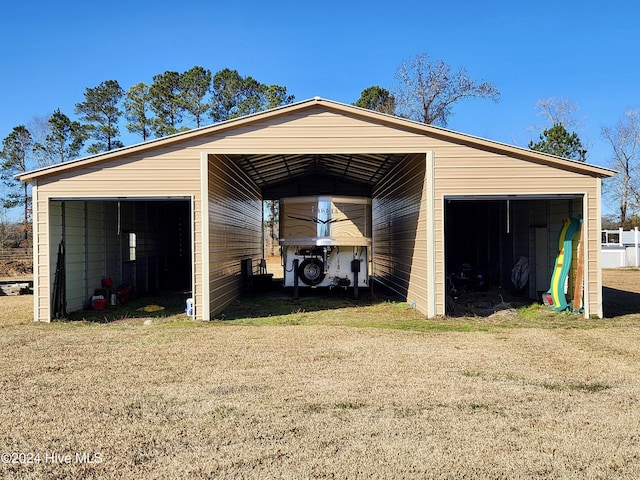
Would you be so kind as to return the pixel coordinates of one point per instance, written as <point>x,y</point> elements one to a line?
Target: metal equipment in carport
<point>325,241</point>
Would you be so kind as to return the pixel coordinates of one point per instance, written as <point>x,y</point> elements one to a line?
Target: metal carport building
<point>188,207</point>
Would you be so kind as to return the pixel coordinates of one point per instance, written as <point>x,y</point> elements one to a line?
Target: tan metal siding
<point>169,174</point>
<point>593,272</point>
<point>160,173</point>
<point>316,132</point>
<point>331,120</point>
<point>461,170</point>
<point>175,170</point>
<point>399,231</point>
<point>235,230</point>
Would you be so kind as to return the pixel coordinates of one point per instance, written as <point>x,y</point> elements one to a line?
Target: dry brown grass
<point>188,400</point>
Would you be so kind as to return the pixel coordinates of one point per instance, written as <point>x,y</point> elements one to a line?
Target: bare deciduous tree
<point>624,187</point>
<point>558,111</point>
<point>427,90</point>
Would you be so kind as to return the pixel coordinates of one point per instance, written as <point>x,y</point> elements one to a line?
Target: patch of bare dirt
<point>274,266</point>
<point>16,268</point>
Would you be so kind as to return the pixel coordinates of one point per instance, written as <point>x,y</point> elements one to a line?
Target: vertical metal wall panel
<point>95,245</point>
<point>127,225</point>
<point>112,255</point>
<point>55,229</point>
<point>235,230</point>
<point>162,249</point>
<point>143,234</point>
<point>520,226</point>
<point>399,231</point>
<point>74,235</point>
<point>592,227</point>
<point>515,239</point>
<point>55,223</point>
<point>541,262</point>
<point>81,224</point>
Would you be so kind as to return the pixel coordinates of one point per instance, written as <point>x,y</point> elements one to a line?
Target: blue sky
<point>583,51</point>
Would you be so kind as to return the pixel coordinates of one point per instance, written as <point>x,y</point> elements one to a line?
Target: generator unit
<point>325,241</point>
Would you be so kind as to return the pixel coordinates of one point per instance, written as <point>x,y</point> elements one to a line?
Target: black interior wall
<point>487,235</point>
<point>178,240</point>
<point>163,256</point>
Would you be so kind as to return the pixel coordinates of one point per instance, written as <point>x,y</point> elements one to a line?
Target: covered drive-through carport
<point>186,211</point>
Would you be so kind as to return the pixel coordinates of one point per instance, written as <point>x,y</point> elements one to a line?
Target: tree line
<point>172,103</point>
<point>425,91</point>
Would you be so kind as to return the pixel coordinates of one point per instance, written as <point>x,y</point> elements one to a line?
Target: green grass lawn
<point>319,387</point>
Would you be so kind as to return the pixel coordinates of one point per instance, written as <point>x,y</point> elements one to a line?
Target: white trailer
<point>325,241</point>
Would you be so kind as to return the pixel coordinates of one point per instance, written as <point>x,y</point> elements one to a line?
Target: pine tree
<point>164,95</point>
<point>377,99</point>
<point>101,111</point>
<point>136,107</point>
<point>15,153</point>
<point>194,87</point>
<point>558,141</point>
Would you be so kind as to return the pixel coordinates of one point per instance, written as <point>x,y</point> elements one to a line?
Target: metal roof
<point>267,170</point>
<point>363,169</point>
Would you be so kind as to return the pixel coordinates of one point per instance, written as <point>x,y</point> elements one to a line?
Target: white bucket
<point>189,309</point>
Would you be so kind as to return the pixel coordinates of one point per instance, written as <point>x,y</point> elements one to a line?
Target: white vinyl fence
<point>620,248</point>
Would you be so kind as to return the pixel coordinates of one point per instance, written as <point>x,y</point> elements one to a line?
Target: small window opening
<point>132,247</point>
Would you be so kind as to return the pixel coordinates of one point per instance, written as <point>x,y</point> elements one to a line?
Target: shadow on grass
<point>279,301</point>
<point>619,302</point>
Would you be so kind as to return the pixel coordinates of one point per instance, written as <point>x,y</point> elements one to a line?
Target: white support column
<point>636,244</point>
